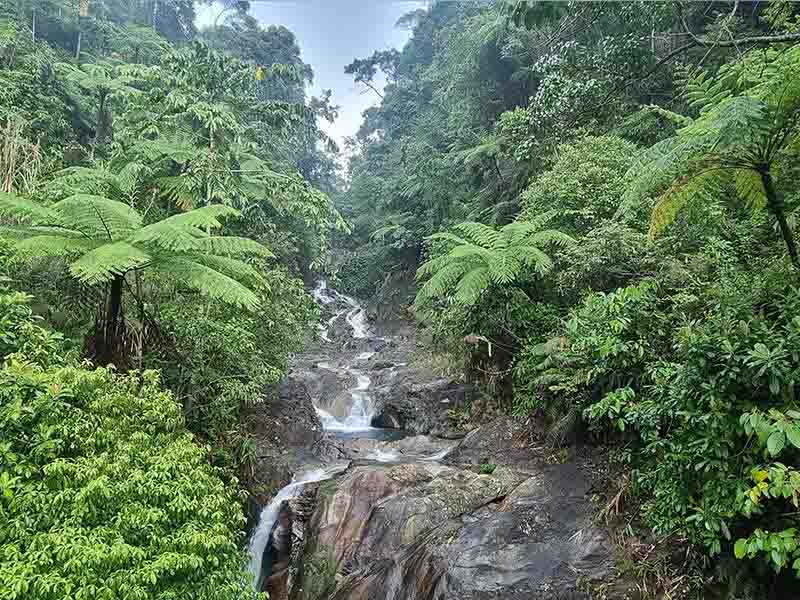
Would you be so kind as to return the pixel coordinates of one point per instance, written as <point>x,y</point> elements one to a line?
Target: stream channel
<point>348,420</point>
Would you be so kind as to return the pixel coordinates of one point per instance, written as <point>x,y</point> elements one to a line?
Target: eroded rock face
<point>401,402</point>
<point>503,441</point>
<point>283,423</point>
<point>427,531</point>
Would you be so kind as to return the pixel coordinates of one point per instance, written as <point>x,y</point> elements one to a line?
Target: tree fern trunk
<point>776,207</point>
<point>107,341</point>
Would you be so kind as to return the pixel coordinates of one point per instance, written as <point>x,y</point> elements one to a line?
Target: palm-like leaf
<point>107,240</point>
<point>484,256</point>
<point>748,118</point>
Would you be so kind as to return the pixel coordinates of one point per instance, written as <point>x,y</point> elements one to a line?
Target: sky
<point>331,33</point>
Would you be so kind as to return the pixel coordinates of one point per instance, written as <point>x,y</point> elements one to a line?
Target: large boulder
<point>285,426</point>
<point>503,441</point>
<point>376,510</point>
<point>410,399</point>
<point>538,543</point>
<point>421,530</point>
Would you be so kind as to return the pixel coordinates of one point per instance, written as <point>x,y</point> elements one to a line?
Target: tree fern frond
<point>206,217</point>
<point>493,257</point>
<point>479,233</point>
<point>504,267</point>
<point>472,285</point>
<point>233,246</point>
<point>534,257</point>
<point>235,269</point>
<point>54,245</point>
<point>182,190</point>
<point>27,211</point>
<point>551,237</point>
<point>679,195</point>
<point>167,235</point>
<point>103,264</point>
<point>441,281</point>
<point>98,216</point>
<point>750,187</point>
<point>208,281</point>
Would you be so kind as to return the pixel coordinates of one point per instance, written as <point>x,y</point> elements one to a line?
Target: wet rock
<point>278,555</point>
<point>403,403</point>
<point>284,422</point>
<point>539,543</point>
<point>381,365</point>
<point>377,509</point>
<point>503,441</point>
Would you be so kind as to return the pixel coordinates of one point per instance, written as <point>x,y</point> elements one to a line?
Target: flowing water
<point>269,514</point>
<point>354,424</point>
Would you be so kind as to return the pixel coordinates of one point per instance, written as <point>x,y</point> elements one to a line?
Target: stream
<point>346,423</point>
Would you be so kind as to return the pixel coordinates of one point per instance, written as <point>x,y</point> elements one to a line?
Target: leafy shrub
<point>362,271</point>
<point>220,359</point>
<point>102,490</point>
<point>584,185</point>
<point>700,381</point>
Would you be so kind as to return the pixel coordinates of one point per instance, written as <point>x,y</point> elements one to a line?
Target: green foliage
<point>746,131</point>
<point>109,240</point>
<point>103,491</point>
<point>583,186</point>
<point>220,362</point>
<point>485,256</point>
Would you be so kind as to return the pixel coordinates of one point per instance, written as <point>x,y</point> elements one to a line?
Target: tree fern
<point>468,264</point>
<point>748,124</point>
<point>104,240</point>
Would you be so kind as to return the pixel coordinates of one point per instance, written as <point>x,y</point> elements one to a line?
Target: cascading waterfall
<point>269,514</point>
<point>358,418</point>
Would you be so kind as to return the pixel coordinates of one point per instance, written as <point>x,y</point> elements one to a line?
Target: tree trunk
<point>108,337</point>
<point>776,206</point>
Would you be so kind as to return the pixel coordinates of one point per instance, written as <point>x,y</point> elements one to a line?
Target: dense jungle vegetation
<point>590,207</point>
<point>162,198</point>
<point>599,202</point>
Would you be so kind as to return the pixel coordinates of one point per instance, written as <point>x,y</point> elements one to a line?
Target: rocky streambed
<point>370,492</point>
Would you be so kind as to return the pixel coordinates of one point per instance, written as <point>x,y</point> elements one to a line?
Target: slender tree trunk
<point>110,333</point>
<point>776,206</point>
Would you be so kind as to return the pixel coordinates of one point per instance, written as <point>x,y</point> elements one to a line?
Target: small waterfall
<point>357,319</point>
<point>269,514</point>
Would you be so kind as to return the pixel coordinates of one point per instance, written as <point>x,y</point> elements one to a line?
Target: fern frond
<point>481,234</point>
<point>750,188</point>
<point>442,281</point>
<point>166,235</point>
<point>54,245</point>
<point>204,218</point>
<point>27,211</point>
<point>534,257</point>
<point>103,264</point>
<point>551,237</point>
<point>504,267</point>
<point>472,285</point>
<point>233,246</point>
<point>181,190</point>
<point>235,269</point>
<point>98,216</point>
<point>679,195</point>
<point>208,281</point>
